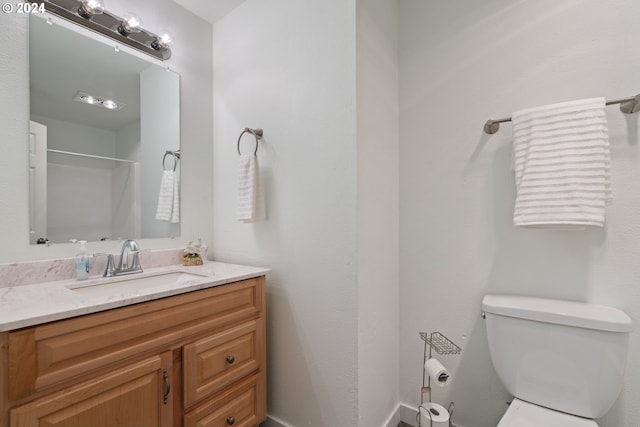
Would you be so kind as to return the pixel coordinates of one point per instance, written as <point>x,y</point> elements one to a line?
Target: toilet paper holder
<point>442,345</point>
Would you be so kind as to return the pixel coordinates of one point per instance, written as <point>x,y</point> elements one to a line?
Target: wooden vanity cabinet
<point>196,359</point>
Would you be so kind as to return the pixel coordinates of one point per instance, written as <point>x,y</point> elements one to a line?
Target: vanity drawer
<point>61,351</point>
<point>239,406</point>
<point>214,362</point>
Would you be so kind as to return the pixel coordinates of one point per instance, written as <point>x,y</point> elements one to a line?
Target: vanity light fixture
<point>128,30</point>
<point>109,104</point>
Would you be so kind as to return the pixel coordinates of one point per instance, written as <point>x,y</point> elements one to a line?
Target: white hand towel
<point>250,206</point>
<point>168,198</point>
<point>562,165</point>
<point>175,209</point>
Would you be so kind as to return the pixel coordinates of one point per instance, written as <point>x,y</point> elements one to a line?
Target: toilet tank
<point>564,355</point>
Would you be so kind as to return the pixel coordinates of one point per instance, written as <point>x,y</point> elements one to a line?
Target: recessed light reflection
<point>90,99</point>
<point>109,104</point>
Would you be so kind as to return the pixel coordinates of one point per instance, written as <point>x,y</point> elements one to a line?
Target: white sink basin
<point>133,284</point>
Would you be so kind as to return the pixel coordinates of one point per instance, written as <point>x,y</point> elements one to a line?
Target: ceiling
<point>210,10</point>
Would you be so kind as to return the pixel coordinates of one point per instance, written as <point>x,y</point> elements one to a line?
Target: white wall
<point>289,67</point>
<point>377,210</point>
<point>331,180</point>
<point>462,63</point>
<point>192,59</point>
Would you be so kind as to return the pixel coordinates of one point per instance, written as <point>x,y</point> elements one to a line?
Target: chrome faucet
<point>128,247</point>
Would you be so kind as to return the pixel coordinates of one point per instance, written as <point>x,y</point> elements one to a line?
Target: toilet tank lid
<point>571,313</point>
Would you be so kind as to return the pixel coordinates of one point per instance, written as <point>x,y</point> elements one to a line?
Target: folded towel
<point>250,206</point>
<point>169,198</point>
<point>562,165</point>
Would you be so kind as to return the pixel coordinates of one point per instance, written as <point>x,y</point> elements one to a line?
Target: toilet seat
<point>524,414</point>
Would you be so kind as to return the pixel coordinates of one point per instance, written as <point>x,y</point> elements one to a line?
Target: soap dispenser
<point>82,261</point>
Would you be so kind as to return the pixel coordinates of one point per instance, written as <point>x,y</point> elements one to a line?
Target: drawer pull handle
<point>231,421</point>
<point>230,360</point>
<point>167,386</point>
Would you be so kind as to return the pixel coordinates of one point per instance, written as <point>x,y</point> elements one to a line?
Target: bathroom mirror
<point>102,120</point>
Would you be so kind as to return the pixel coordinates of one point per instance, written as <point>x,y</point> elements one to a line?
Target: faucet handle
<point>135,261</point>
<point>111,265</point>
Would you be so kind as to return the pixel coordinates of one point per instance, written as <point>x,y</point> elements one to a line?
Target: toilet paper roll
<point>437,372</point>
<point>433,415</point>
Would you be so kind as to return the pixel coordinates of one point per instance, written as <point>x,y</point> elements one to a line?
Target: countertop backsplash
<point>30,272</point>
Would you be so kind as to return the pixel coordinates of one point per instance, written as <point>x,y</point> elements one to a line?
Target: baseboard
<point>408,414</point>
<point>394,419</point>
<point>404,413</point>
<point>274,422</point>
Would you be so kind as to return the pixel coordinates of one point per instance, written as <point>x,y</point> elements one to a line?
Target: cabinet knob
<point>230,360</point>
<point>231,421</point>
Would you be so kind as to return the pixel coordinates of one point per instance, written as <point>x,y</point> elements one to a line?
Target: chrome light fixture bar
<point>128,30</point>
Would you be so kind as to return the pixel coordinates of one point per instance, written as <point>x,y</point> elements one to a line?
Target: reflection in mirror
<point>101,121</point>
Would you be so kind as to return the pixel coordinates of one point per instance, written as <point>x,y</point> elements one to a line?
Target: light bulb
<point>163,41</point>
<point>88,8</point>
<point>131,24</point>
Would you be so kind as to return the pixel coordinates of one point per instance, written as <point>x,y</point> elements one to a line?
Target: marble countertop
<point>28,305</point>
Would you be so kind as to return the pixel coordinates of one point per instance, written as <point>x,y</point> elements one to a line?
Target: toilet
<point>563,361</point>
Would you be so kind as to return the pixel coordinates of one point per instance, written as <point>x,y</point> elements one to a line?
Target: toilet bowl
<point>524,414</point>
<point>563,361</point>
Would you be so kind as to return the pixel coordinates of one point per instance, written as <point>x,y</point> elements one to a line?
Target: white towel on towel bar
<point>169,198</point>
<point>250,207</point>
<point>562,165</point>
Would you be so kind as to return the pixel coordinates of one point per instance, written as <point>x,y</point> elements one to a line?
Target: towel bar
<point>627,105</point>
<point>176,157</point>
<point>257,133</point>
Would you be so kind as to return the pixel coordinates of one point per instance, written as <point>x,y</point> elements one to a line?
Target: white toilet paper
<point>433,415</point>
<point>437,372</point>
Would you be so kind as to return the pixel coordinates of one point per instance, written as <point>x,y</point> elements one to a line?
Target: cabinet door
<point>134,396</point>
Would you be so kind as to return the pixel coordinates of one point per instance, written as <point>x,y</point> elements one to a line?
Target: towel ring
<point>255,132</point>
<point>175,156</point>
